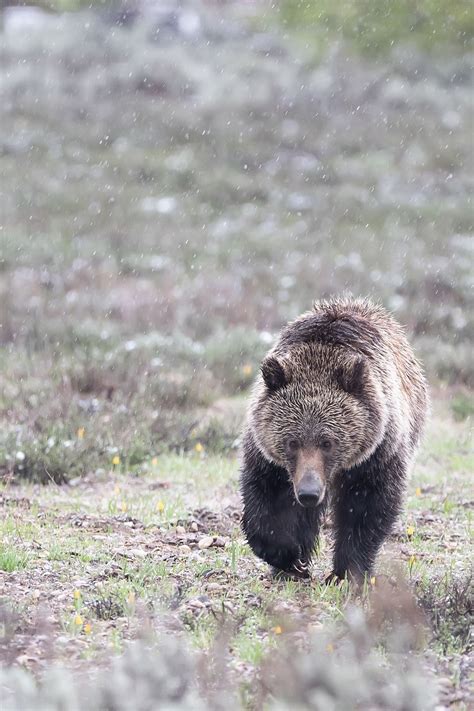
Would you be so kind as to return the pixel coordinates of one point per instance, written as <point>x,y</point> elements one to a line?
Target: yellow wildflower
<point>124,506</point>
<point>131,597</point>
<point>198,447</point>
<point>116,460</point>
<point>372,580</point>
<point>277,629</point>
<point>81,432</point>
<point>418,491</point>
<point>412,560</point>
<point>78,621</point>
<point>160,506</point>
<point>88,628</point>
<point>77,594</point>
<point>410,531</point>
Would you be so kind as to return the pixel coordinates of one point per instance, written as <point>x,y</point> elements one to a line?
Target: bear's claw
<point>299,570</point>
<point>334,579</point>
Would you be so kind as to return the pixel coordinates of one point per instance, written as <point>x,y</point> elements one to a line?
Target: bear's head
<point>317,409</point>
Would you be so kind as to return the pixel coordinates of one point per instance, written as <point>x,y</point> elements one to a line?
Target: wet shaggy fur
<point>342,382</point>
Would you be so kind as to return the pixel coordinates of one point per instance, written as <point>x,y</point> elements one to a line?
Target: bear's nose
<point>310,490</point>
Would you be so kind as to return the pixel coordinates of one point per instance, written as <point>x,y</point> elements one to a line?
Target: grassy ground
<point>95,561</point>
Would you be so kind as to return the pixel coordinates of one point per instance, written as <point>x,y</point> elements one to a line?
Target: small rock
<point>138,552</point>
<point>184,548</point>
<point>205,542</point>
<point>194,526</point>
<point>180,530</point>
<point>197,603</point>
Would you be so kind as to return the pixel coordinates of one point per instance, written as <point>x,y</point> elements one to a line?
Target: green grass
<point>12,559</point>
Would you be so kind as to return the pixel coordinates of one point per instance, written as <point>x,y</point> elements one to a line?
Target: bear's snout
<point>309,477</point>
<point>310,489</point>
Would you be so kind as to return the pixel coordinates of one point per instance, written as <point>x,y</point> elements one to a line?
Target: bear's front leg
<point>278,529</point>
<point>366,503</point>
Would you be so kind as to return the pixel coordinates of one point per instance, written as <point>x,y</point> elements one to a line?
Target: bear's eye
<point>326,444</point>
<point>292,445</point>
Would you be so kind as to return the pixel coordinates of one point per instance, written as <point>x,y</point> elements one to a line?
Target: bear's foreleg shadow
<point>366,502</point>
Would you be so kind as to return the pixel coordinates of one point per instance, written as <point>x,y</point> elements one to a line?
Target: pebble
<point>184,548</point>
<point>180,530</point>
<point>138,552</point>
<point>194,526</point>
<point>205,542</point>
<point>199,602</point>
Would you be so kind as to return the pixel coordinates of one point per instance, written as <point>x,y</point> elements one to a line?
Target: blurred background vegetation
<point>372,27</point>
<point>376,27</point>
<point>181,178</point>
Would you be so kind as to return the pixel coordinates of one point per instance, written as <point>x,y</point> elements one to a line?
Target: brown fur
<point>341,389</point>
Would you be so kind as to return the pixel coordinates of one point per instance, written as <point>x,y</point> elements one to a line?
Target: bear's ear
<point>352,376</point>
<point>273,374</point>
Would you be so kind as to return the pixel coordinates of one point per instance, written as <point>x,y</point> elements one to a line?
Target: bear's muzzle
<point>311,489</point>
<point>309,480</point>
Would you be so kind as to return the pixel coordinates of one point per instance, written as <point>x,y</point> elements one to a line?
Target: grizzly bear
<point>335,419</point>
